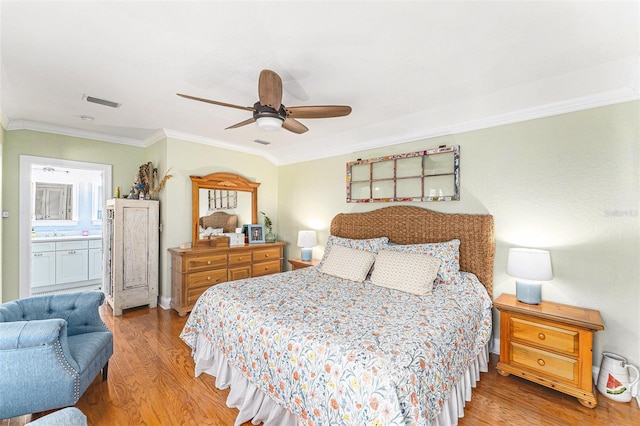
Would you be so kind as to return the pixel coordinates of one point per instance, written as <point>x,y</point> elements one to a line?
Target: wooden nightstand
<point>299,263</point>
<point>549,344</point>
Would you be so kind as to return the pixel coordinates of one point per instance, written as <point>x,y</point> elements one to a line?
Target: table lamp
<point>306,241</point>
<point>529,267</point>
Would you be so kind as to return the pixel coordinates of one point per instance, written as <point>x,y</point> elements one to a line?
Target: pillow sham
<point>448,252</point>
<point>408,272</point>
<point>372,245</point>
<point>348,263</point>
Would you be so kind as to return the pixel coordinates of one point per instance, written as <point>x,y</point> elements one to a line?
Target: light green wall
<point>182,159</point>
<point>567,183</point>
<point>194,159</point>
<point>124,159</point>
<point>1,226</point>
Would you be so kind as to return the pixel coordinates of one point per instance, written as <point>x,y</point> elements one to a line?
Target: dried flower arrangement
<point>145,182</point>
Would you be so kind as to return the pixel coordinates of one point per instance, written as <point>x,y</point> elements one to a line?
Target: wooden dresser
<point>196,269</point>
<point>549,344</point>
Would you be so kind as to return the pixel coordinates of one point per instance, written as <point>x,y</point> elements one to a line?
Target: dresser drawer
<point>545,336</point>
<point>239,258</point>
<point>550,365</point>
<point>196,263</point>
<point>265,268</point>
<point>239,273</point>
<point>206,278</point>
<point>266,254</point>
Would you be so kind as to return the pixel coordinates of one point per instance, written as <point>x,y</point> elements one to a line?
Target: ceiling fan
<point>270,114</point>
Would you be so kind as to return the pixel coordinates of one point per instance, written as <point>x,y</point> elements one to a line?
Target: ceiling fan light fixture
<point>269,123</point>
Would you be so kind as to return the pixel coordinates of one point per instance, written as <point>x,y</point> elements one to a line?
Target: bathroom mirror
<point>53,201</point>
<point>245,199</point>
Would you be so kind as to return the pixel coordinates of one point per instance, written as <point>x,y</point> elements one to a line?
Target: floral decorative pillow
<point>408,272</point>
<point>348,263</point>
<point>372,245</point>
<point>448,252</point>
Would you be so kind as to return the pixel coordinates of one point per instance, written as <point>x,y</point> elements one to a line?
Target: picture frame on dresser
<point>255,234</point>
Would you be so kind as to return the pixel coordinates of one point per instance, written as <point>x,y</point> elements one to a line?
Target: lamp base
<point>528,292</point>
<point>305,254</point>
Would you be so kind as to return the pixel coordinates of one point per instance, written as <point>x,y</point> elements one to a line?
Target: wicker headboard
<point>413,225</point>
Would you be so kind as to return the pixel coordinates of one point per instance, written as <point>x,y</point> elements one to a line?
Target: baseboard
<point>165,303</point>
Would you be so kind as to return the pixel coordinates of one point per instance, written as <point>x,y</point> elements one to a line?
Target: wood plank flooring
<point>151,382</point>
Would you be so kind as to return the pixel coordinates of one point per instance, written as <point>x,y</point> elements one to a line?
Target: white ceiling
<point>409,70</point>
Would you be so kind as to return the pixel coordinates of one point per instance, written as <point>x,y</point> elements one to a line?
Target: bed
<point>308,348</point>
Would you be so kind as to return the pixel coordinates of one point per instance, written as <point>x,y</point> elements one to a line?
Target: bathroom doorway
<point>71,195</point>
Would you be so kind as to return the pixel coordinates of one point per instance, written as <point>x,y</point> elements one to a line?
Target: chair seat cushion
<point>85,348</point>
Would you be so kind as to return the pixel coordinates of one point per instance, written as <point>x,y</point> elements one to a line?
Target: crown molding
<point>610,97</point>
<point>217,143</point>
<point>70,131</point>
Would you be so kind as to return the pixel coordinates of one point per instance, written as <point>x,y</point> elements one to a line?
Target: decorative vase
<point>270,237</point>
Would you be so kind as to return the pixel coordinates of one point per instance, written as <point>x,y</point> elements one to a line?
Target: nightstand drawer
<point>265,268</point>
<point>545,336</point>
<point>553,366</point>
<point>206,262</point>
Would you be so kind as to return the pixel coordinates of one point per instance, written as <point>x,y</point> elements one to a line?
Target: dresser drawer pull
<point>208,278</point>
<point>541,336</point>
<point>541,362</point>
<point>266,255</point>
<point>208,262</point>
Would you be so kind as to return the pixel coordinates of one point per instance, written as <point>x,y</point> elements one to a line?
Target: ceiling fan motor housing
<point>266,111</point>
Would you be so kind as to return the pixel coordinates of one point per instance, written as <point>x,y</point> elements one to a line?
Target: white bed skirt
<point>255,406</point>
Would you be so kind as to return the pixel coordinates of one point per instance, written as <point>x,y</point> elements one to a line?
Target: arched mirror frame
<point>223,181</point>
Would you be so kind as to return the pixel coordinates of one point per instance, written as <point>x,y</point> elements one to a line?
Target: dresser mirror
<point>222,193</point>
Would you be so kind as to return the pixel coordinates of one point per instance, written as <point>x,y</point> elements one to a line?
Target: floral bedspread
<point>338,352</point>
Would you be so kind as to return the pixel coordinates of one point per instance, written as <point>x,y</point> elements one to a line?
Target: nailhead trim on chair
<point>69,369</point>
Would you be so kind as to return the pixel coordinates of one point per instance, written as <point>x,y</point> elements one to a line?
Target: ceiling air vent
<point>101,101</point>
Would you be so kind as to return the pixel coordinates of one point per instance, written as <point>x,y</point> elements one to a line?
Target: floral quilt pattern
<point>335,352</point>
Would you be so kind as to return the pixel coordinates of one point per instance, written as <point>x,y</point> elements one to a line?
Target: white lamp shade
<point>529,264</point>
<point>307,239</point>
<point>269,123</point>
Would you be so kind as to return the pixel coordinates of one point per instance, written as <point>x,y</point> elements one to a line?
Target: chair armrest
<point>27,334</point>
<point>80,310</point>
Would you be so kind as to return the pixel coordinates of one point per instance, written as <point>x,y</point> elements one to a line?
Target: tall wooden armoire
<point>131,254</point>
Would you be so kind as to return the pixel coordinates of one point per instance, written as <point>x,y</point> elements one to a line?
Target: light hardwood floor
<point>151,382</point>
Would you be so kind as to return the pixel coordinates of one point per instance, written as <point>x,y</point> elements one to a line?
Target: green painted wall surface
<point>567,183</point>
<point>124,159</point>
<point>1,227</point>
<point>194,159</point>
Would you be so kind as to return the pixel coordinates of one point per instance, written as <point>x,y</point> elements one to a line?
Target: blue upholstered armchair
<point>51,349</point>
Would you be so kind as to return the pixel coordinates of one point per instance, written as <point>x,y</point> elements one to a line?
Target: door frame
<point>24,243</point>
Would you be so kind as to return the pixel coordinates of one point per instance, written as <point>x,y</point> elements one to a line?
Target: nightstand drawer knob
<point>208,262</point>
<point>541,336</point>
<point>208,278</point>
<point>541,362</point>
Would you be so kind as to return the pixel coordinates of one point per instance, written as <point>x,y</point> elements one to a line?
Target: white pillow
<point>348,263</point>
<point>408,272</point>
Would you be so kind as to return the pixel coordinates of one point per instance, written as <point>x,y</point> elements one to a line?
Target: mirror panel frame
<point>226,181</point>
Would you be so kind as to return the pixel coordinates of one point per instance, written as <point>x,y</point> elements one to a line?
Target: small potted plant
<point>270,237</point>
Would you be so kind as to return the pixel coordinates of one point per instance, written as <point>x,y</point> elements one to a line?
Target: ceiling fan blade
<point>321,111</point>
<point>293,125</point>
<point>209,101</point>
<point>270,89</point>
<point>242,123</point>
